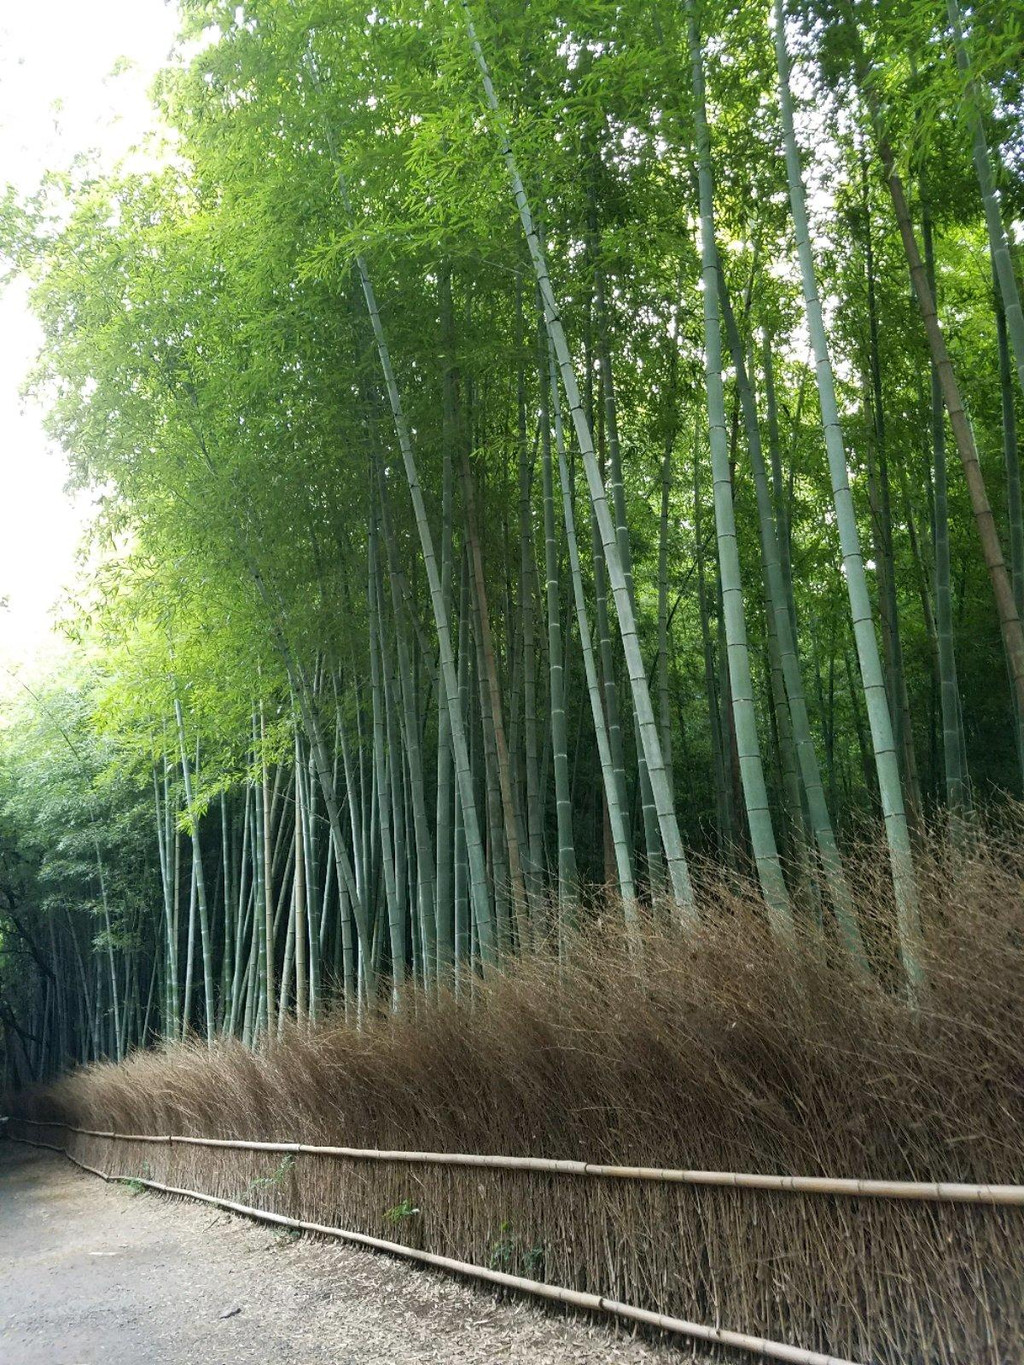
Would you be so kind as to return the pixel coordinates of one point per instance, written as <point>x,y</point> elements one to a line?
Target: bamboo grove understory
<point>546,458</point>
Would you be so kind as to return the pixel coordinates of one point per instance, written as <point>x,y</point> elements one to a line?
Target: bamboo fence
<point>943,1192</point>
<point>573,1298</point>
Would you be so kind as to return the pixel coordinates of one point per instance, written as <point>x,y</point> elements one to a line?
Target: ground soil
<point>91,1274</point>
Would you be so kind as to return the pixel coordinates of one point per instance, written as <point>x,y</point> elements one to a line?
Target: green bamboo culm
<point>199,879</point>
<point>957,797</point>
<point>479,893</point>
<point>675,857</point>
<point>616,814</point>
<point>879,718</point>
<point>759,820</point>
<point>999,247</point>
<point>794,700</point>
<point>567,872</point>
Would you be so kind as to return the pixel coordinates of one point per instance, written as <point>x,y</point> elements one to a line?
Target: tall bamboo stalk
<point>199,877</point>
<point>567,872</point>
<point>1011,460</point>
<point>613,805</point>
<point>425,875</point>
<point>762,834</point>
<point>618,492</point>
<point>885,558</point>
<point>886,764</point>
<point>999,247</point>
<point>949,691</point>
<point>992,552</point>
<point>300,901</point>
<point>782,615</point>
<point>671,841</point>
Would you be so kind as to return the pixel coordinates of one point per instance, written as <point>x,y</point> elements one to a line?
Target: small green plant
<point>400,1212</point>
<point>406,1209</point>
<point>512,1256</point>
<point>274,1181</point>
<point>133,1186</point>
<point>504,1249</point>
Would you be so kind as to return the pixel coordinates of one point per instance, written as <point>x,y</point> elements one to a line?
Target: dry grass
<point>724,1053</point>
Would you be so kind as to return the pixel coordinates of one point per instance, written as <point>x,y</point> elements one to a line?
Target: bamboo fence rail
<point>944,1192</point>
<point>573,1298</point>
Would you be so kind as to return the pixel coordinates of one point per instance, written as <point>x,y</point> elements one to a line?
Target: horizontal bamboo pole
<point>573,1298</point>
<point>62,1151</point>
<point>941,1192</point>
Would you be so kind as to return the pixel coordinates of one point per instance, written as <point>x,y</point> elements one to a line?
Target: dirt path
<point>91,1274</point>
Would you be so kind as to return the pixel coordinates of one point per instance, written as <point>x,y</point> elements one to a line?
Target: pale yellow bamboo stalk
<point>950,1192</point>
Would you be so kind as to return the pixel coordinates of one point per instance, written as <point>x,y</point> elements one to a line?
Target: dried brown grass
<point>726,1052</point>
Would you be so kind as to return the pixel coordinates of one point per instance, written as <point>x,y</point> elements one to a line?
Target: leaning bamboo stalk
<point>950,1192</point>
<point>755,794</point>
<point>776,1350</point>
<point>527,605</point>
<point>410,729</point>
<point>495,730</point>
<point>793,709</point>
<point>382,770</point>
<point>955,772</point>
<point>999,247</point>
<point>300,899</point>
<point>567,870</point>
<point>675,857</point>
<point>873,686</point>
<point>652,838</point>
<point>616,815</point>
<point>963,434</point>
<point>479,891</point>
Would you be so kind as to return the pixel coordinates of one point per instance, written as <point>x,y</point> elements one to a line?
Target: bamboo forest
<point>556,522</point>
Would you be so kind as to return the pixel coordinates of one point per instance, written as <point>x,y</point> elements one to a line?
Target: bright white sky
<point>57,99</point>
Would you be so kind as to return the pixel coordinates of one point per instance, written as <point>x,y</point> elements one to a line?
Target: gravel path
<point>91,1274</point>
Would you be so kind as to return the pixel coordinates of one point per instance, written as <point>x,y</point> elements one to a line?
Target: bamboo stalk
<point>872,684</point>
<point>755,794</point>
<point>679,874</point>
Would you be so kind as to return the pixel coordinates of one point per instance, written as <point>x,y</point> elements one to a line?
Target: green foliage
<point>276,1179</point>
<point>209,368</point>
<point>401,1213</point>
<point>512,1255</point>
